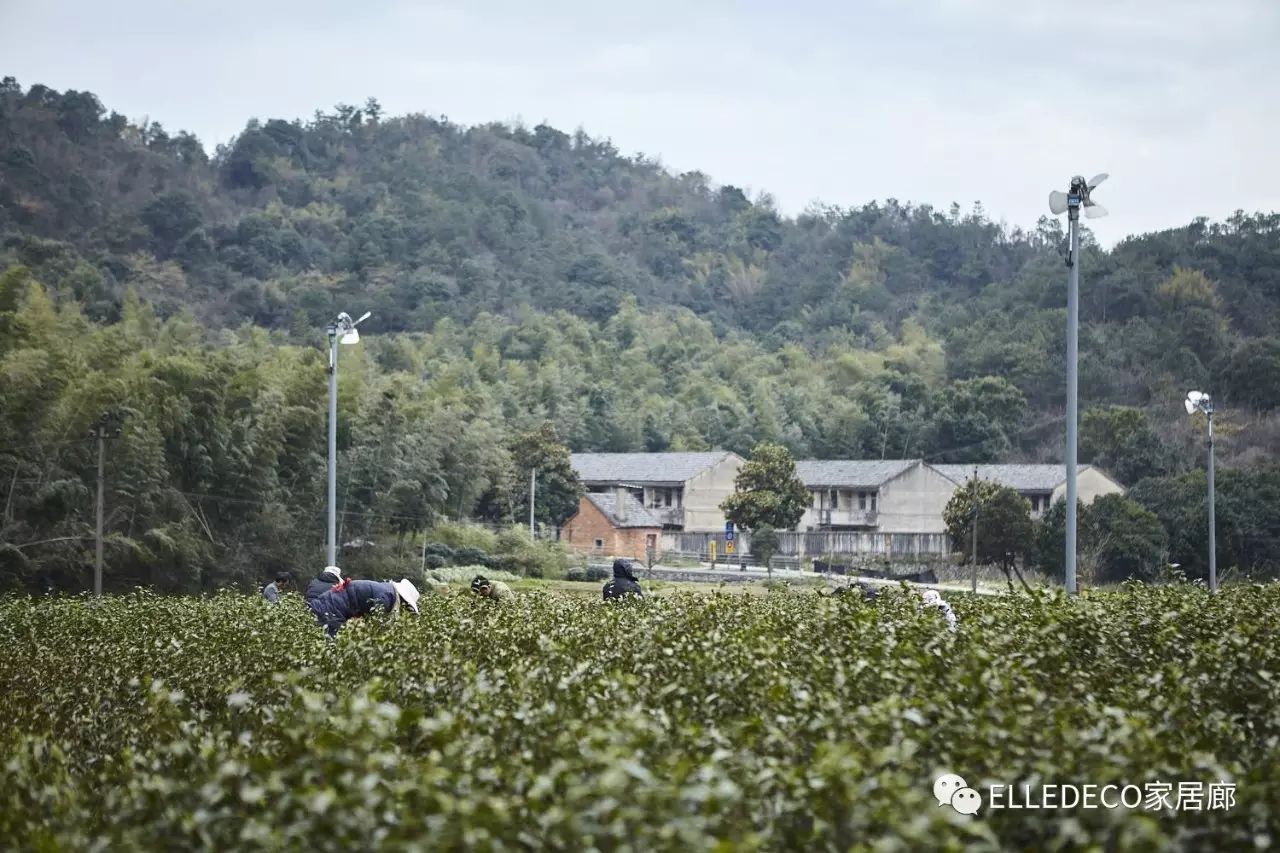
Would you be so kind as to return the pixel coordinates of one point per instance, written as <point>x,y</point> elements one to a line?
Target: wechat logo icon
<point>951,790</point>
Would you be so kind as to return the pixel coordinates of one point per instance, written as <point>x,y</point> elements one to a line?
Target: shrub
<point>468,556</point>
<point>575,574</point>
<point>464,574</point>
<point>519,554</point>
<point>458,535</point>
<point>439,549</point>
<point>436,561</point>
<point>597,573</point>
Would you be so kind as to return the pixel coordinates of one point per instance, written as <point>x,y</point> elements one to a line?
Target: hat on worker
<point>333,570</point>
<point>408,593</point>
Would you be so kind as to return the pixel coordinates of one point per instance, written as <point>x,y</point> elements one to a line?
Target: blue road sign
<point>728,531</point>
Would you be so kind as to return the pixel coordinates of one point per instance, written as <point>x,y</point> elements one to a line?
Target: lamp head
<point>1197,400</point>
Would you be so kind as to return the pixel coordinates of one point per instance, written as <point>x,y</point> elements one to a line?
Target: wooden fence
<point>820,543</point>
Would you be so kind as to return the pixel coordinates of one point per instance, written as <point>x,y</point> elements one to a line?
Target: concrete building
<point>1042,485</point>
<point>683,490</point>
<point>613,524</point>
<point>883,496</point>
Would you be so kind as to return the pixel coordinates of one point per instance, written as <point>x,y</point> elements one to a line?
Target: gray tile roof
<point>668,469</point>
<point>1024,478</point>
<point>848,473</point>
<point>637,515</point>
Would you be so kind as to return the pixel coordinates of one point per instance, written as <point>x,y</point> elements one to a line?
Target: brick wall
<point>589,527</point>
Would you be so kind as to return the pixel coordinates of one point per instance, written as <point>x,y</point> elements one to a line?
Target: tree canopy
<point>520,276</point>
<point>767,492</point>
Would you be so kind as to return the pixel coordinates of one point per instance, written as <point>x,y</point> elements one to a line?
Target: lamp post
<point>341,329</point>
<point>1198,401</point>
<point>1070,202</point>
<point>533,492</point>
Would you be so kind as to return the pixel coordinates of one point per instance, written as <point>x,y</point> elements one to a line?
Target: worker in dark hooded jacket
<point>322,583</point>
<point>623,584</point>
<point>354,599</point>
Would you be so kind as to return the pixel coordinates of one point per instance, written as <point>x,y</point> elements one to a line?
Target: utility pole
<point>1213,532</point>
<point>97,547</point>
<point>533,492</point>
<point>100,431</point>
<point>974,584</point>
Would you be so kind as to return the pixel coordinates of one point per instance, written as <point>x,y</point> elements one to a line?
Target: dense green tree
<point>1122,441</point>
<point>1247,512</point>
<point>764,545</point>
<point>556,495</point>
<point>1251,375</point>
<point>1117,539</point>
<point>1126,540</point>
<point>978,419</point>
<point>767,491</point>
<point>1005,532</point>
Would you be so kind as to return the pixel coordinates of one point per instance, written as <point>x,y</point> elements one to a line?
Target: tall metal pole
<point>974,585</point>
<point>1213,545</point>
<point>97,555</point>
<point>533,491</point>
<point>1073,330</point>
<point>331,542</point>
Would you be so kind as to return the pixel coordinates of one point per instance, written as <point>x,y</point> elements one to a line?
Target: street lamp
<point>341,329</point>
<point>1070,202</point>
<point>1198,401</point>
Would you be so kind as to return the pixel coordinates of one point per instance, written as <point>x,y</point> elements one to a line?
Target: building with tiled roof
<point>684,490</point>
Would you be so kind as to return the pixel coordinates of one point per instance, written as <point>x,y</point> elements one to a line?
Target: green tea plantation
<point>787,721</point>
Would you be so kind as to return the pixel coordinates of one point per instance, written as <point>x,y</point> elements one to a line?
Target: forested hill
<point>522,275</point>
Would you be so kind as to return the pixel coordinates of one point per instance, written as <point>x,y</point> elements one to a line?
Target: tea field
<point>782,721</point>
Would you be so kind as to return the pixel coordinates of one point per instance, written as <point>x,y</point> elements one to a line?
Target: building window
<point>873,501</point>
<point>833,500</point>
<point>599,543</point>
<point>862,500</point>
<point>666,497</point>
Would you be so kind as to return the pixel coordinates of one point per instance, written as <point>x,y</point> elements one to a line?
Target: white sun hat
<point>408,593</point>
<point>337,572</point>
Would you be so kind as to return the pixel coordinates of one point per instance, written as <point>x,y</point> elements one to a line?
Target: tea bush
<point>725,722</point>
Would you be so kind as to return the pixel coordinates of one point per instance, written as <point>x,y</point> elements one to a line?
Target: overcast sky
<point>842,101</point>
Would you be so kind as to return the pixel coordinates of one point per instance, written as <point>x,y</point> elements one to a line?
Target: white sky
<point>928,101</point>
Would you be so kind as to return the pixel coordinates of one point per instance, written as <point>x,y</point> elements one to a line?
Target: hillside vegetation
<point>519,276</point>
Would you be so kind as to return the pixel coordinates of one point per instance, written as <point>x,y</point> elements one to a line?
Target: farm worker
<point>932,598</point>
<point>271,592</point>
<point>496,590</point>
<point>323,582</point>
<point>354,599</point>
<point>624,583</point>
<point>864,591</point>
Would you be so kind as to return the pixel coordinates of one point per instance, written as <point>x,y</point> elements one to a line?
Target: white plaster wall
<point>913,501</point>
<point>704,493</point>
<point>1091,483</point>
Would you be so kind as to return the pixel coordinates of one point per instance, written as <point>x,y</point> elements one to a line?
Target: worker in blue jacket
<point>354,599</point>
